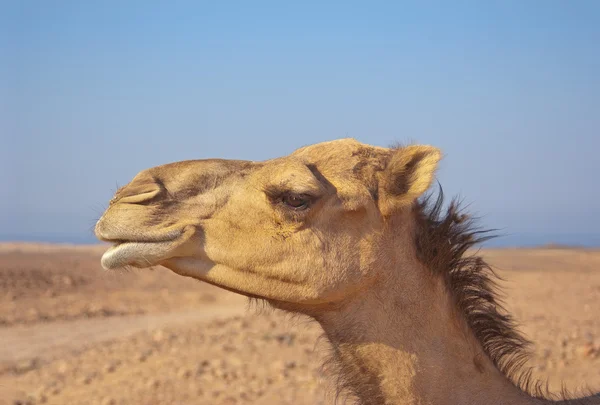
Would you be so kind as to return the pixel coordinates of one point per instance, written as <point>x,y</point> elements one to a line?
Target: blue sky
<point>93,92</point>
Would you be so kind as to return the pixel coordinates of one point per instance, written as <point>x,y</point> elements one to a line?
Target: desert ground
<point>72,333</point>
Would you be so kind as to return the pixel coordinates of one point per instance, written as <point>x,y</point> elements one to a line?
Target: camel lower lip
<point>137,254</point>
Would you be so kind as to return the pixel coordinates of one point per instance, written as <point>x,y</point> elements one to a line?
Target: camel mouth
<point>137,253</point>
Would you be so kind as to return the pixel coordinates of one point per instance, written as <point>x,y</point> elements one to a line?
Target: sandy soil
<point>71,333</point>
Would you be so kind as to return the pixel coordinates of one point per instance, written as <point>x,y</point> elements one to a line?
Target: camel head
<point>303,230</point>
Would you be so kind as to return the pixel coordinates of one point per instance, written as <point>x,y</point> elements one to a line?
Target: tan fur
<point>362,259</point>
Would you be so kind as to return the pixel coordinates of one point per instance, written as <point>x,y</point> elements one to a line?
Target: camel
<point>349,235</point>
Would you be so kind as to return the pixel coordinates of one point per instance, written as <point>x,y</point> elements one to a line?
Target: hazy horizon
<point>502,240</point>
<point>92,93</point>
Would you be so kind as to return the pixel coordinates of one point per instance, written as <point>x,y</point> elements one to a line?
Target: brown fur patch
<point>370,162</point>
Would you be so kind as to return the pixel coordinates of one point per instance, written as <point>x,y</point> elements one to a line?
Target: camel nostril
<point>141,189</point>
<point>140,196</point>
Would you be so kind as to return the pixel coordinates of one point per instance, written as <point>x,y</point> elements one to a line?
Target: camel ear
<point>409,174</point>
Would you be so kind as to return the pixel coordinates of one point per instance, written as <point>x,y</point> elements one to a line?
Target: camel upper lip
<point>116,240</point>
<point>141,240</point>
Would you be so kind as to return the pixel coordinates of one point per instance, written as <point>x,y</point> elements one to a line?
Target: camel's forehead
<point>336,147</point>
<point>340,152</point>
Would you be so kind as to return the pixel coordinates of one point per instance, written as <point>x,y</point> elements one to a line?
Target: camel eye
<point>296,201</point>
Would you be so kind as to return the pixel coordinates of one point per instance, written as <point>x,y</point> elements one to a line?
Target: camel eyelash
<point>292,200</point>
<point>275,193</point>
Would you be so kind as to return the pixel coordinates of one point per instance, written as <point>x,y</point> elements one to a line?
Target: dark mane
<point>443,236</point>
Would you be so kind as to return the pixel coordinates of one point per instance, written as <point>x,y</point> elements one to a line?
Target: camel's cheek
<point>326,257</point>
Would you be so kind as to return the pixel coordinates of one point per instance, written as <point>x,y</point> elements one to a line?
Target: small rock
<point>143,356</point>
<point>110,367</point>
<point>50,293</point>
<point>86,379</point>
<point>200,369</point>
<point>586,350</point>
<point>184,373</point>
<point>108,401</point>
<point>228,348</point>
<point>24,366</point>
<point>153,383</point>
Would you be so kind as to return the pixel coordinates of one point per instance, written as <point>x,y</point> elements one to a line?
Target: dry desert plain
<point>72,333</point>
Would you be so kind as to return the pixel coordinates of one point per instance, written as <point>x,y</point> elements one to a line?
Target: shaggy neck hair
<point>442,239</point>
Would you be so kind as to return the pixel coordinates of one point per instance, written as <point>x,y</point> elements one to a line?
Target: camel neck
<point>402,342</point>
